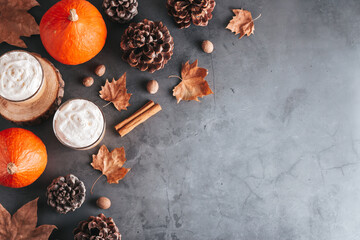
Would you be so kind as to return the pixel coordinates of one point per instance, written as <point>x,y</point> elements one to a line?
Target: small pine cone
<point>120,11</point>
<point>97,228</point>
<point>66,194</point>
<point>185,11</point>
<point>147,45</point>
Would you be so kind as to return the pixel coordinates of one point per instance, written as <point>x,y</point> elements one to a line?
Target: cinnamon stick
<point>143,114</point>
<point>146,107</point>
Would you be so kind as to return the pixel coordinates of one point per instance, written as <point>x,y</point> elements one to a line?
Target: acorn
<point>152,86</point>
<point>103,203</point>
<point>207,46</point>
<point>100,70</point>
<point>88,81</point>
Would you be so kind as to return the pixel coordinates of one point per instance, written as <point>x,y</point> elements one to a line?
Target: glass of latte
<point>79,124</point>
<point>21,77</point>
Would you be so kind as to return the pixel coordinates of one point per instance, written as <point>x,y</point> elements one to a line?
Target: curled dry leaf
<point>242,23</point>
<point>15,21</point>
<point>193,83</point>
<point>110,164</point>
<point>116,93</point>
<point>22,225</point>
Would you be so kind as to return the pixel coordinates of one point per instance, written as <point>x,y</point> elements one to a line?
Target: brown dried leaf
<point>15,21</point>
<point>110,164</point>
<point>25,218</point>
<point>193,84</point>
<point>22,225</point>
<point>116,93</point>
<point>5,223</point>
<point>242,23</point>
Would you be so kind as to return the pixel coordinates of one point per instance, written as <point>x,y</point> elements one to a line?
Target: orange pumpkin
<point>23,157</point>
<point>73,31</point>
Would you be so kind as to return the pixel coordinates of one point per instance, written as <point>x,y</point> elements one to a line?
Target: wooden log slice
<point>46,102</point>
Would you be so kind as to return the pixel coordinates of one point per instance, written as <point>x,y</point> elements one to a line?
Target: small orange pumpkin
<point>73,31</point>
<point>23,157</point>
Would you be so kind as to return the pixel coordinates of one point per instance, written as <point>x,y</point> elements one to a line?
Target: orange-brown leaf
<point>22,225</point>
<point>242,23</point>
<point>15,21</point>
<point>116,93</point>
<point>110,163</point>
<point>193,84</point>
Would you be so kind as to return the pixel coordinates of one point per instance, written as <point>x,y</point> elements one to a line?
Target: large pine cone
<point>120,10</point>
<point>147,45</point>
<point>66,193</point>
<point>97,228</point>
<point>185,11</point>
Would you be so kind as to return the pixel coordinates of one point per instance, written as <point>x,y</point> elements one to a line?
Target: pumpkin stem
<point>11,168</point>
<point>73,16</point>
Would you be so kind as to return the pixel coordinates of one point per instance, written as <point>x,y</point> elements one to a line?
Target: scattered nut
<point>207,46</point>
<point>103,203</point>
<point>100,70</point>
<point>152,86</point>
<point>88,81</point>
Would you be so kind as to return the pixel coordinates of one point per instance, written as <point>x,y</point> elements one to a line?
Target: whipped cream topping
<point>20,75</point>
<point>78,123</point>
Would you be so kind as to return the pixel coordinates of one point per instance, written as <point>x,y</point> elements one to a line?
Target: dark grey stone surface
<point>273,154</point>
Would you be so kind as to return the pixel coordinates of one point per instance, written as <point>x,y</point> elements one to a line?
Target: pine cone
<point>120,10</point>
<point>185,11</point>
<point>66,193</point>
<point>147,45</point>
<point>97,228</point>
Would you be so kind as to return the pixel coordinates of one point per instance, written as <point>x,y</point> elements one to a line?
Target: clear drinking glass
<point>21,76</point>
<point>79,124</point>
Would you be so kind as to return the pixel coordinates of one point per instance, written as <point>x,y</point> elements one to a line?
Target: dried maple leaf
<point>15,21</point>
<point>242,23</point>
<point>116,93</point>
<point>110,164</point>
<point>193,84</point>
<point>22,225</point>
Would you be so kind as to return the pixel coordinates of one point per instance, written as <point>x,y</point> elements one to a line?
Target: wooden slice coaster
<point>41,107</point>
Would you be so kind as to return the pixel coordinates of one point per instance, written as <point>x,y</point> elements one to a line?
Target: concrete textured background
<point>272,155</point>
